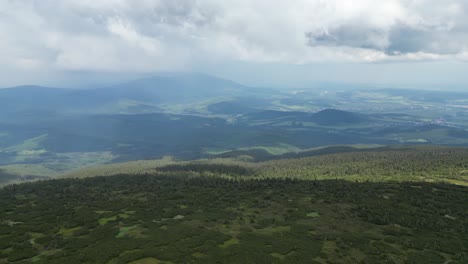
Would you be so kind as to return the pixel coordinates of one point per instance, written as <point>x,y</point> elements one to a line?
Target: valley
<point>53,131</point>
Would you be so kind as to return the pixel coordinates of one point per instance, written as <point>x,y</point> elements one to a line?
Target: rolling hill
<point>337,117</point>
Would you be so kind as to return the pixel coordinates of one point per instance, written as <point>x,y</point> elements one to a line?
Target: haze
<point>82,43</point>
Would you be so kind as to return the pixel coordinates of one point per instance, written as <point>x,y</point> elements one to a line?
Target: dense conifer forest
<point>372,207</point>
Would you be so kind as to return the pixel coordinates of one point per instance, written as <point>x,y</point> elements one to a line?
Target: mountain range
<point>189,116</point>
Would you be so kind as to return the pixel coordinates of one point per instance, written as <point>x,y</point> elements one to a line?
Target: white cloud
<point>126,31</point>
<point>146,35</point>
<point>28,63</point>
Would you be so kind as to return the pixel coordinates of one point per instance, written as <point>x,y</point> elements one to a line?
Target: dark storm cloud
<point>431,27</point>
<point>356,36</point>
<point>399,39</point>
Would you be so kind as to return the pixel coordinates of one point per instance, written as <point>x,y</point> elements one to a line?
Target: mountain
<point>138,96</point>
<point>30,96</point>
<point>337,117</point>
<point>171,87</point>
<point>191,116</point>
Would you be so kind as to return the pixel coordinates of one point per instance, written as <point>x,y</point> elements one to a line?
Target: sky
<point>257,42</point>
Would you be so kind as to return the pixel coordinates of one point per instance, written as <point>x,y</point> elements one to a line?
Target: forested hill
<point>182,219</point>
<point>396,205</point>
<point>421,163</point>
<point>337,117</point>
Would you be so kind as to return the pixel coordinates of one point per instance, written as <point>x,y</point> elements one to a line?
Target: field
<point>379,205</point>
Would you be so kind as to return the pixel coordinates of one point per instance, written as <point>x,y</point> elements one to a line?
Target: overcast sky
<point>258,42</point>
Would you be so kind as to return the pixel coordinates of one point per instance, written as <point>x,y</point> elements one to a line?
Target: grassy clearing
<point>272,230</point>
<point>230,242</point>
<point>28,145</point>
<point>281,256</point>
<point>105,220</point>
<point>132,167</point>
<point>198,255</point>
<point>66,162</point>
<point>279,149</point>
<point>134,231</point>
<point>273,150</point>
<point>30,169</point>
<point>68,232</point>
<point>29,149</point>
<point>313,214</point>
<point>150,261</point>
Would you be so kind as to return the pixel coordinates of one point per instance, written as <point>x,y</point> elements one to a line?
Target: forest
<point>228,211</point>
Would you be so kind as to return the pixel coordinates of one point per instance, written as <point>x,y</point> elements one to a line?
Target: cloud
<point>28,63</point>
<point>147,35</point>
<point>126,32</point>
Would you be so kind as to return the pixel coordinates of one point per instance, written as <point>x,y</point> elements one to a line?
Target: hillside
<point>171,88</point>
<point>50,131</point>
<point>12,178</point>
<point>142,94</point>
<point>377,164</point>
<point>336,117</point>
<point>381,205</point>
